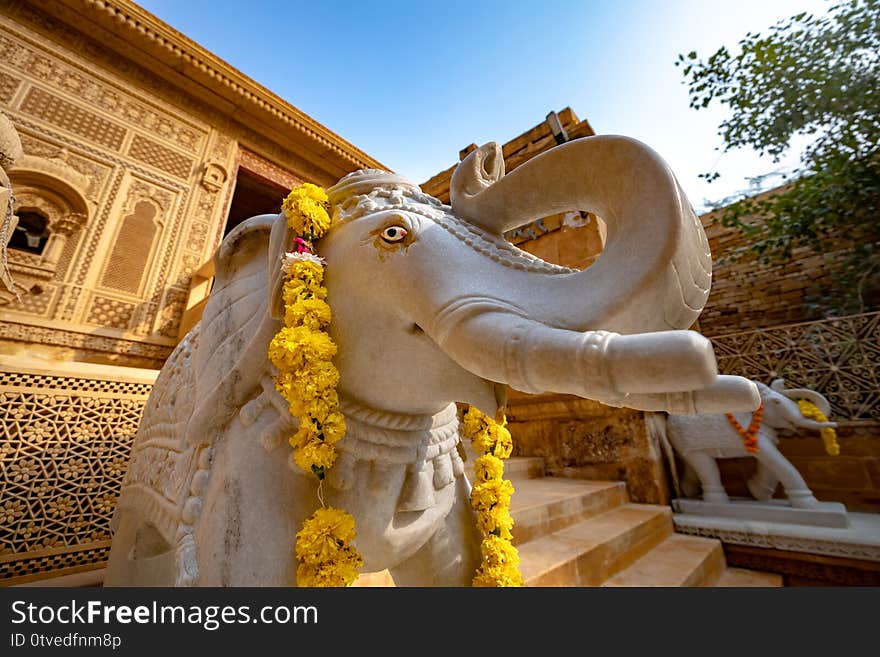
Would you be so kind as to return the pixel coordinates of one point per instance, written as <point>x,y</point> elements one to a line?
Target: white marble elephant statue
<point>700,439</point>
<point>431,306</point>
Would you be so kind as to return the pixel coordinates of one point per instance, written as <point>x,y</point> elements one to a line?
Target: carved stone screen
<point>838,357</point>
<point>65,437</point>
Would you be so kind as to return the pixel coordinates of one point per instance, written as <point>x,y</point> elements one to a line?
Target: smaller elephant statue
<point>700,439</point>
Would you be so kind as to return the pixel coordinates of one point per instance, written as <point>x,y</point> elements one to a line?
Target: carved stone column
<point>61,230</point>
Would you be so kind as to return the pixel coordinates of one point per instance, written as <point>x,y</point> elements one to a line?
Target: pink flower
<point>301,246</point>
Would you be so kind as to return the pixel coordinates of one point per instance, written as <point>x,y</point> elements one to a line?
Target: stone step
<point>589,552</point>
<point>543,506</point>
<point>740,577</point>
<point>679,560</point>
<point>380,579</point>
<point>516,467</point>
<point>524,467</point>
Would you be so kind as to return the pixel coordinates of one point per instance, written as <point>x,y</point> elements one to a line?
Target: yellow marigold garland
<point>490,498</point>
<point>829,435</point>
<point>303,353</point>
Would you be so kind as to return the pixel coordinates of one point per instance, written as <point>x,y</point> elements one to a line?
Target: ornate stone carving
<point>408,348</point>
<point>155,154</point>
<point>63,114</point>
<point>62,74</point>
<point>10,151</point>
<point>198,234</point>
<point>837,356</point>
<point>20,53</point>
<point>41,335</point>
<point>814,540</point>
<point>266,169</point>
<point>70,223</point>
<point>87,256</point>
<point>8,86</point>
<point>104,311</point>
<point>140,190</point>
<point>221,148</point>
<point>62,217</point>
<point>93,172</point>
<point>214,176</point>
<point>37,297</point>
<point>172,308</point>
<point>56,88</point>
<point>57,168</point>
<point>66,442</point>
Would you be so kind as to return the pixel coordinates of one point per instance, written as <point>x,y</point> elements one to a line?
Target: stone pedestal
<point>860,540</point>
<point>827,514</point>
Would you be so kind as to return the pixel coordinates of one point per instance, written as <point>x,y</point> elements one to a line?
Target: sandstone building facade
<point>142,150</point>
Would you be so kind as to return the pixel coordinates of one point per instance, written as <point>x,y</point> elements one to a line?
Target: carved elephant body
<point>447,311</point>
<point>700,439</point>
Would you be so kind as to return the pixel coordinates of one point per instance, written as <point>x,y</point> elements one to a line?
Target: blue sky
<point>413,82</point>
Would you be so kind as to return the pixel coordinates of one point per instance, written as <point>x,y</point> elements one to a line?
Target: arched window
<point>32,232</point>
<point>131,252</point>
<point>51,206</point>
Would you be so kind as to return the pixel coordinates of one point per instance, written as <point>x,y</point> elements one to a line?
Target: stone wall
<point>583,439</point>
<point>747,294</point>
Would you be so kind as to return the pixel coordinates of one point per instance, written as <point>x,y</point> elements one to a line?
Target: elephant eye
<point>394,233</point>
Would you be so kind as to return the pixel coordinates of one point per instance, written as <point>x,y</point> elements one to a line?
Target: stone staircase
<point>573,532</point>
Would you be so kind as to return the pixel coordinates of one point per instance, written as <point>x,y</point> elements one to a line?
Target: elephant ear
<point>237,324</point>
<point>656,269</point>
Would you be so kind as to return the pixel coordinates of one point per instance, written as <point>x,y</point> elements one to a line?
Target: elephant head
<point>781,410</point>
<point>431,304</point>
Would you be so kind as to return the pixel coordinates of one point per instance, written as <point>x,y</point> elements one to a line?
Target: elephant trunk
<point>653,372</point>
<point>814,425</point>
<point>655,271</point>
<point>778,385</point>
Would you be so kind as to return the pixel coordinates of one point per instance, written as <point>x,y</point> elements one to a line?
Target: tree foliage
<point>818,77</point>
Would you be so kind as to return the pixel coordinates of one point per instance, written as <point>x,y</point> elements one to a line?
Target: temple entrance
<point>253,195</point>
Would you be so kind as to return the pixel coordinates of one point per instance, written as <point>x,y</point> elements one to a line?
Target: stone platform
<point>827,514</point>
<point>860,540</point>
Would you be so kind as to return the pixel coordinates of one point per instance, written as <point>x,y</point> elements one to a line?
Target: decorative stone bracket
<point>214,176</point>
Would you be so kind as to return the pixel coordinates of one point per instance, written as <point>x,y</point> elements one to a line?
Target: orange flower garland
<point>750,435</point>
